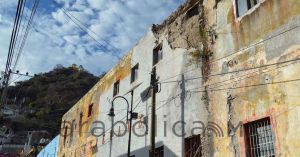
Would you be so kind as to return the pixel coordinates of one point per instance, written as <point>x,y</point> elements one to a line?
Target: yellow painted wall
<point>83,143</point>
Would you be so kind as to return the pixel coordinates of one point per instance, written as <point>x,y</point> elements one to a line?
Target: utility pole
<point>153,84</point>
<point>182,99</point>
<point>130,125</point>
<point>5,86</point>
<point>6,83</point>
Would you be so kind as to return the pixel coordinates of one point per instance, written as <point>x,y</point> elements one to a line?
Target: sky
<point>51,149</point>
<point>54,39</point>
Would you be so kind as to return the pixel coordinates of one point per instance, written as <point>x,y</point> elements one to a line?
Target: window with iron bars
<point>259,138</point>
<point>192,146</point>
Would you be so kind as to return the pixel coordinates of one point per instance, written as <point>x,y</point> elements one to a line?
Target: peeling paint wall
<point>266,35</point>
<point>80,141</point>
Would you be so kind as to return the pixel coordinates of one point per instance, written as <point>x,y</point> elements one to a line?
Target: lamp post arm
<point>126,102</point>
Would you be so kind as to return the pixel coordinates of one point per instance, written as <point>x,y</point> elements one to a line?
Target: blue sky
<point>54,39</point>
<point>51,149</point>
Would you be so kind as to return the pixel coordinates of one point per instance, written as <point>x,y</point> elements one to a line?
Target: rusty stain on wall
<point>83,143</point>
<point>262,36</point>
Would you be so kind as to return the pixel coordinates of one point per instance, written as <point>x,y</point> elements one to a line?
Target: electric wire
<point>224,89</point>
<point>14,36</point>
<point>214,89</point>
<point>101,46</point>
<point>12,44</point>
<point>22,41</point>
<point>234,71</point>
<point>278,82</point>
<point>29,24</point>
<point>109,129</point>
<point>234,81</point>
<point>257,43</point>
<point>255,85</point>
<point>241,50</point>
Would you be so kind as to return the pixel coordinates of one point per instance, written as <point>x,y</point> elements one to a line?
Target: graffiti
<point>140,129</point>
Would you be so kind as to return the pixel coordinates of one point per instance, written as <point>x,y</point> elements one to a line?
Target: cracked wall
<point>265,36</point>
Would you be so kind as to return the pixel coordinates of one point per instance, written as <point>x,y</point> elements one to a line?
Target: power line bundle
<point>13,44</point>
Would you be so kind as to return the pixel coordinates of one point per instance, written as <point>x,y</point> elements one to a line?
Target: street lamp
<point>112,115</point>
<point>112,110</point>
<point>133,115</point>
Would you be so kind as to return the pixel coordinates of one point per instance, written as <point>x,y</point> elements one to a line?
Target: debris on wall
<point>181,27</point>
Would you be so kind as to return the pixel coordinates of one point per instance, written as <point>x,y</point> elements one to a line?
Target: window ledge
<point>250,11</point>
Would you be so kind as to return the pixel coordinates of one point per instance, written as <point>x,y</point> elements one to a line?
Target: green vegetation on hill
<point>42,100</point>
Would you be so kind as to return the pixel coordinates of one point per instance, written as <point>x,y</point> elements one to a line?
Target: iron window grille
<point>192,146</point>
<point>259,138</point>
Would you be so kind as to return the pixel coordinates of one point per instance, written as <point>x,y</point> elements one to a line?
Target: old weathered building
<point>227,86</point>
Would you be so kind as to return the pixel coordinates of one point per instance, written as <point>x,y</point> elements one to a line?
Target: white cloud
<point>60,16</point>
<point>55,39</point>
<point>97,4</point>
<point>73,39</point>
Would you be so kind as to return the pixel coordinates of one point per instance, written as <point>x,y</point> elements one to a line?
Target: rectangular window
<point>134,73</point>
<point>90,111</point>
<point>242,6</point>
<point>72,131</point>
<point>157,54</point>
<point>192,146</point>
<point>80,123</point>
<point>259,138</point>
<point>116,88</point>
<point>159,152</point>
<point>65,135</point>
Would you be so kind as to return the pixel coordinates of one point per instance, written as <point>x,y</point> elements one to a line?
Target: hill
<point>40,102</point>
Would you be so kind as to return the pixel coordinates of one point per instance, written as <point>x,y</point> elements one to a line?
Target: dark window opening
<point>259,138</point>
<point>159,152</point>
<point>134,73</point>
<point>242,6</point>
<point>116,88</point>
<point>192,146</point>
<point>80,123</point>
<point>90,111</point>
<point>65,134</point>
<point>157,54</point>
<point>72,131</point>
<point>192,12</point>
